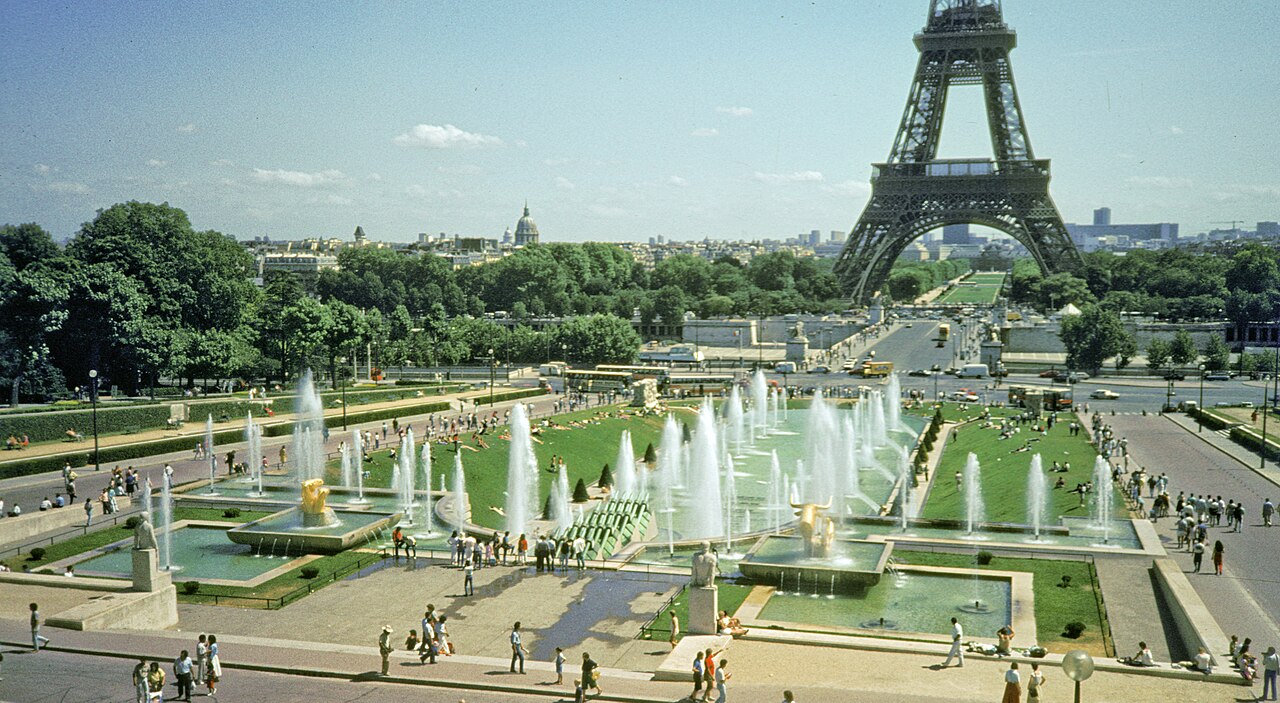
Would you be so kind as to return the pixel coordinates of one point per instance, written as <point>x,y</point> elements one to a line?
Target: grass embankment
<point>1004,472</point>
<point>730,598</point>
<point>1055,605</point>
<point>101,538</point>
<point>979,288</point>
<point>282,585</point>
<point>585,449</point>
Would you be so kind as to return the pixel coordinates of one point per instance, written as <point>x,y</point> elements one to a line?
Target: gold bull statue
<point>816,529</point>
<point>314,495</point>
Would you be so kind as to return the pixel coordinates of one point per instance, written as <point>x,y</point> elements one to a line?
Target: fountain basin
<point>852,565</point>
<point>351,528</point>
<point>200,553</point>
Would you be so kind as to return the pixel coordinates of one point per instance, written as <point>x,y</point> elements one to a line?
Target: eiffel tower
<point>965,42</point>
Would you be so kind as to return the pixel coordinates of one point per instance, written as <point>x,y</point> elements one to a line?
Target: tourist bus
<point>944,333</point>
<point>657,373</point>
<point>596,381</point>
<point>698,383</point>
<point>1055,397</point>
<point>875,369</point>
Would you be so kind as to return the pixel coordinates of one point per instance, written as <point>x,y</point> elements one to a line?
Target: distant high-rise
<point>955,234</point>
<point>1269,229</point>
<point>526,229</point>
<point>815,237</point>
<point>361,239</point>
<point>1102,216</point>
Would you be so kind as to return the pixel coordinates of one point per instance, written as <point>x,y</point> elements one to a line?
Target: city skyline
<point>614,122</point>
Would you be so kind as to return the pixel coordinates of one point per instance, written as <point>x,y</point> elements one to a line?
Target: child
<point>579,694</point>
<point>559,666</point>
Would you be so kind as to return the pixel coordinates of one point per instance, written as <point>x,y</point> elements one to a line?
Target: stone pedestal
<point>644,393</point>
<point>798,349</point>
<point>704,608</point>
<point>147,576</point>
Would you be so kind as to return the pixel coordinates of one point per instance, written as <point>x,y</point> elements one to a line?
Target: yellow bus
<point>699,383</point>
<point>873,369</point>
<point>944,333</point>
<point>596,381</point>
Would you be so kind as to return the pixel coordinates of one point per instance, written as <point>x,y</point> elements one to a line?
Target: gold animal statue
<point>816,529</point>
<point>314,495</point>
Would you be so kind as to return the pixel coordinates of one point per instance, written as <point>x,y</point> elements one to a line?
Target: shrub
<point>650,455</point>
<point>1066,581</point>
<point>191,588</point>
<point>310,572</point>
<point>49,426</point>
<point>984,557</point>
<point>606,477</point>
<point>1074,629</point>
<point>580,494</point>
<point>231,512</point>
<point>37,553</point>
<point>132,522</point>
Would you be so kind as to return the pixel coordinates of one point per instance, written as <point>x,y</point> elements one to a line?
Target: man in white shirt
<point>957,633</point>
<point>1204,662</point>
<point>1142,658</point>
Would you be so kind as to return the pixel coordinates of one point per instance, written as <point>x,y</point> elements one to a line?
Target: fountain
<point>904,493</point>
<point>704,477</point>
<point>670,454</point>
<point>1036,491</point>
<point>348,477</point>
<point>760,404</point>
<point>730,502</point>
<point>1102,492</point>
<point>308,431</point>
<point>561,510</point>
<point>313,526</point>
<point>734,420</point>
<point>879,435</point>
<point>522,474</point>
<point>893,403</point>
<point>973,507</point>
<point>408,475</point>
<point>357,458</point>
<point>460,495</point>
<point>624,473</point>
<point>821,435</point>
<point>428,509</point>
<point>253,437</point>
<point>166,524</point>
<point>213,462</point>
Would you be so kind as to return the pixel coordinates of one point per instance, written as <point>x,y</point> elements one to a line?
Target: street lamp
<point>1200,406</point>
<point>1078,666</point>
<point>93,376</point>
<point>343,386</point>
<point>1266,407</point>
<point>493,361</point>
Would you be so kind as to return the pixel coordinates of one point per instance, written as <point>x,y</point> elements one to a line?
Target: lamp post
<point>1266,407</point>
<point>343,385</point>
<point>1200,406</point>
<point>93,376</point>
<point>1078,666</point>
<point>493,362</point>
<point>935,373</point>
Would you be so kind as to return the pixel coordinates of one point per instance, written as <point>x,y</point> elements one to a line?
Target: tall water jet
<point>562,512</point>
<point>850,457</point>
<point>624,473</point>
<point>308,431</point>
<point>893,403</point>
<point>522,474</point>
<point>1102,493</point>
<point>1036,492</point>
<point>777,500</point>
<point>733,418</point>
<point>213,461</point>
<point>821,437</point>
<point>904,495</point>
<point>408,475</point>
<point>460,493</point>
<point>428,508</point>
<point>760,403</point>
<point>166,524</point>
<point>704,477</point>
<point>348,475</point>
<point>670,455</point>
<point>973,506</point>
<point>730,502</point>
<point>357,458</point>
<point>253,438</point>
<point>879,432</point>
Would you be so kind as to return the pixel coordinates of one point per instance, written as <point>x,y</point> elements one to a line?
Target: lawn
<point>1055,606</point>
<point>285,583</point>
<point>585,450</point>
<point>959,412</point>
<point>101,538</point>
<point>979,288</point>
<point>730,598</point>
<point>1004,472</point>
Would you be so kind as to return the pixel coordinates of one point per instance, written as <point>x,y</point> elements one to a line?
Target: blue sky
<point>615,120</point>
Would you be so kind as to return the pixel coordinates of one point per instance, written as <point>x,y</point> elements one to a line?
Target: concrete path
<point>1134,609</point>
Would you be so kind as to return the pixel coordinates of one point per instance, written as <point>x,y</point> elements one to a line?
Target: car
<point>908,325</point>
<point>821,369</point>
<point>1174,376</point>
<point>1051,373</point>
<point>920,373</point>
<point>1104,394</point>
<point>1217,376</point>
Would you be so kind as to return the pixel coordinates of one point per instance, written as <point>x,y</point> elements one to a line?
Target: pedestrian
<point>468,585</point>
<point>559,666</point>
<point>708,674</point>
<point>202,657</point>
<point>517,648</point>
<point>140,682</point>
<point>385,648</point>
<point>675,628</point>
<point>579,693</point>
<point>1268,509</point>
<point>1034,682</point>
<point>590,674</point>
<point>1218,551</point>
<point>1270,665</point>
<point>1239,517</point>
<point>957,633</point>
<point>1012,685</point>
<point>1197,554</point>
<point>155,682</point>
<point>788,697</point>
<point>697,676</point>
<point>721,678</point>
<point>88,512</point>
<point>36,637</point>
<point>182,674</point>
<point>213,670</point>
<point>522,552</point>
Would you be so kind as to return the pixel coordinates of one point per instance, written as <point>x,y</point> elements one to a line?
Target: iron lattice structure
<point>964,42</point>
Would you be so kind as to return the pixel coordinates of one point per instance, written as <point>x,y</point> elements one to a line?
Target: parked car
<point>1049,373</point>
<point>1104,394</point>
<point>1217,376</point>
<point>821,369</point>
<point>920,373</point>
<point>1174,376</point>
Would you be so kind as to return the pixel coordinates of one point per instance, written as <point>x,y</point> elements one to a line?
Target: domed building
<point>526,229</point>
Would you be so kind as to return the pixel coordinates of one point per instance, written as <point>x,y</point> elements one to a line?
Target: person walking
<point>788,697</point>
<point>697,676</point>
<point>590,674</point>
<point>1268,510</point>
<point>36,637</point>
<point>1012,685</point>
<point>140,682</point>
<point>1218,552</point>
<point>517,648</point>
<point>182,674</point>
<point>213,670</point>
<point>468,583</point>
<point>155,683</point>
<point>675,628</point>
<point>1270,666</point>
<point>559,666</point>
<point>957,633</point>
<point>385,648</point>
<point>1197,554</point>
<point>708,675</point>
<point>1034,682</point>
<point>88,512</point>
<point>722,676</point>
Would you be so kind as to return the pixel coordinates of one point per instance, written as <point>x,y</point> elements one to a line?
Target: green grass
<point>281,585</point>
<point>959,412</point>
<point>980,288</point>
<point>1055,606</point>
<point>101,538</point>
<point>1004,474</point>
<point>730,598</point>
<point>585,450</point>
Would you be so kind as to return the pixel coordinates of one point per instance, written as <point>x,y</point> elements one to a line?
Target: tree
<point>1183,349</point>
<point>1092,337</point>
<point>606,477</point>
<point>27,244</point>
<point>1216,353</point>
<point>580,494</point>
<point>1157,353</point>
<point>1127,350</point>
<point>1062,288</point>
<point>597,339</point>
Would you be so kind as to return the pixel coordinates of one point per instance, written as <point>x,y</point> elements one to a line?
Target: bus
<point>657,373</point>
<point>699,383</point>
<point>873,369</point>
<point>1053,397</point>
<point>596,381</point>
<point>944,333</point>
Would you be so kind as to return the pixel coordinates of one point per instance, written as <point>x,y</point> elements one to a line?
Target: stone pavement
<point>1244,600</point>
<point>1134,610</point>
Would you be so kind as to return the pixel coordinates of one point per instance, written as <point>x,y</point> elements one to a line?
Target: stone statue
<point>817,531</point>
<point>705,567</point>
<point>314,495</point>
<point>797,332</point>
<point>144,535</point>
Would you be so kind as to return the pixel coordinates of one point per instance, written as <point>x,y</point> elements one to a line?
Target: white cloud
<point>677,181</point>
<point>1159,181</point>
<point>221,163</point>
<point>735,111</point>
<point>298,178</point>
<point>555,162</point>
<point>1175,130</point>
<point>781,178</point>
<point>607,211</point>
<point>42,169</point>
<point>429,136</point>
<point>849,188</point>
<point>187,128</point>
<point>157,163</point>
<point>705,132</point>
<point>65,187</point>
<point>564,183</point>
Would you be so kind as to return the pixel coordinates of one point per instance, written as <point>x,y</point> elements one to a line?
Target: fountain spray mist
<point>624,474</point>
<point>974,508</point>
<point>522,473</point>
<point>1036,490</point>
<point>460,494</point>
<point>704,477</point>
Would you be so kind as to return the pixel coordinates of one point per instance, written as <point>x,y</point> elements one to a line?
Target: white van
<point>784,367</point>
<point>973,371</point>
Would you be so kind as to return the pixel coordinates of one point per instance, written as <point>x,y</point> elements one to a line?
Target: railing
<point>650,626</point>
<point>312,586</point>
<point>78,531</point>
<point>959,168</point>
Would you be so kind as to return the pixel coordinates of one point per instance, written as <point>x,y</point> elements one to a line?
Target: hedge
<point>46,426</point>
<point>1253,440</point>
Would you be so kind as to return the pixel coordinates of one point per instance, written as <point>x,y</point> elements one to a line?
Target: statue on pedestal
<point>705,567</point>
<point>144,535</point>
